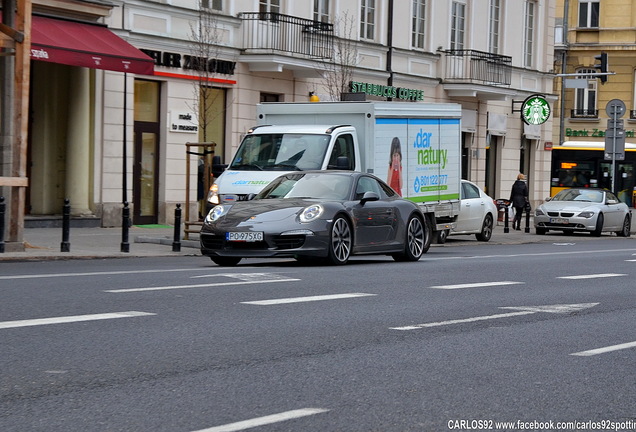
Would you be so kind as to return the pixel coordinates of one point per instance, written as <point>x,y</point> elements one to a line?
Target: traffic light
<point>602,66</point>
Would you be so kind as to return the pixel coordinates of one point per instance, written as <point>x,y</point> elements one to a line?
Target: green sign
<point>535,110</point>
<point>387,91</point>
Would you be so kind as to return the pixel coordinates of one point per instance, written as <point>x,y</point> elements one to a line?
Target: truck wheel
<point>486,229</point>
<point>225,261</point>
<point>415,242</point>
<point>442,236</point>
<point>340,242</point>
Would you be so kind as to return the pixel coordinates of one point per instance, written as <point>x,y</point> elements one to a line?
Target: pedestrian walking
<point>519,199</point>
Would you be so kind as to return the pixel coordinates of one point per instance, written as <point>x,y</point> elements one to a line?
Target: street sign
<point>615,124</point>
<point>615,108</point>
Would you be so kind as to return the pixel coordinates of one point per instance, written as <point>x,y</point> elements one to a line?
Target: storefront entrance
<point>146,153</point>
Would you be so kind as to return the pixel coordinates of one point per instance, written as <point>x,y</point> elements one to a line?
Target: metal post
<point>125,224</point>
<point>506,220</point>
<point>176,243</point>
<point>3,209</point>
<point>65,246</point>
<point>527,220</point>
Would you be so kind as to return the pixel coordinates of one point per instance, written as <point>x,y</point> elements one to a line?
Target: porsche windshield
<point>284,152</point>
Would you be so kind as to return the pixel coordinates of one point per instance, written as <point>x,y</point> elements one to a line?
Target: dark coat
<point>519,194</point>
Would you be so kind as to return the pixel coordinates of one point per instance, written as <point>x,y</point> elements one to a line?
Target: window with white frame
<point>321,11</point>
<point>529,33</point>
<point>367,19</point>
<point>269,6</point>
<point>493,27</point>
<point>589,13</point>
<point>419,24</point>
<point>458,25</point>
<point>585,98</point>
<point>212,4</point>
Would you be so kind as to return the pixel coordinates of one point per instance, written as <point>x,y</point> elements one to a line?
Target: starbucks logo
<point>535,110</point>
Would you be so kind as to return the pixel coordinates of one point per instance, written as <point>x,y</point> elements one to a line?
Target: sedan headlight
<point>310,213</point>
<point>586,214</point>
<point>539,212</point>
<point>216,213</point>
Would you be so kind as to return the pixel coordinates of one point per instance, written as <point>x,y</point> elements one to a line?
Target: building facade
<point>589,32</point>
<point>100,136</point>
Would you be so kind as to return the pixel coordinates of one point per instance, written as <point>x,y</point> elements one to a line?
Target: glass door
<point>145,184</point>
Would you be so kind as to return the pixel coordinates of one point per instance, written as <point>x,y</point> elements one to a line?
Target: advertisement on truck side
<point>419,157</point>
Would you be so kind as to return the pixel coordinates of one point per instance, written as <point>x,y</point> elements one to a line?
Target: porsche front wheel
<point>340,241</point>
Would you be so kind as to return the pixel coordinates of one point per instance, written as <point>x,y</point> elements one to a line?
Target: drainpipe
<point>389,42</point>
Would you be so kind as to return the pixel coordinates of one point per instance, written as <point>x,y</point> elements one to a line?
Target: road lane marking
<point>306,299</point>
<point>104,273</point>
<point>72,319</point>
<point>476,285</point>
<point>523,310</point>
<point>592,276</point>
<point>606,349</point>
<point>461,321</point>
<point>244,279</point>
<point>266,420</point>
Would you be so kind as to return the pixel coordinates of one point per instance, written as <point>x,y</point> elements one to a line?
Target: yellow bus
<point>583,164</point>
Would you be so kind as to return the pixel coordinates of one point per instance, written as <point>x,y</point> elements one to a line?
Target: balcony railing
<point>274,33</point>
<point>584,113</point>
<point>472,66</point>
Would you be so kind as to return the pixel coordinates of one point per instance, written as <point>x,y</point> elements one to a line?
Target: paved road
<point>522,333</point>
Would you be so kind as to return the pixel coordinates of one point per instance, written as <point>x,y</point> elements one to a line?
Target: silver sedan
<point>583,209</point>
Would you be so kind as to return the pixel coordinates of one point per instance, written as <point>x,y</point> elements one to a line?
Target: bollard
<point>176,243</point>
<point>125,225</point>
<point>65,246</point>
<point>3,207</point>
<point>506,221</point>
<point>527,230</point>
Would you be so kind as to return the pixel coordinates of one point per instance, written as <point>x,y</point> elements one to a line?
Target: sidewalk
<point>87,243</point>
<point>45,244</point>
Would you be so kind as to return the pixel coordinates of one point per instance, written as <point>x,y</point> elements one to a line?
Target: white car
<point>591,210</point>
<point>477,214</point>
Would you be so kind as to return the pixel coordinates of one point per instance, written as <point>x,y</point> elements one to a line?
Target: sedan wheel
<point>226,261</point>
<point>417,241</point>
<point>627,227</point>
<point>486,229</point>
<point>599,226</point>
<point>340,242</point>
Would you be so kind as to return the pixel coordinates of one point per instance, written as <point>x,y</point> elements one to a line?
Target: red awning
<point>85,45</point>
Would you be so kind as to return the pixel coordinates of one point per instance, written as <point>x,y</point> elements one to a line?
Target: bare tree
<point>205,37</point>
<point>338,71</point>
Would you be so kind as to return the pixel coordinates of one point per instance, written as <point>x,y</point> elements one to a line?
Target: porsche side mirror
<point>369,196</point>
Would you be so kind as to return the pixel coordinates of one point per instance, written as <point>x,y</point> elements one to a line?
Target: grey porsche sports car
<point>328,215</point>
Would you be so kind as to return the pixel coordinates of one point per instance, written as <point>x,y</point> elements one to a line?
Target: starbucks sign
<point>535,110</point>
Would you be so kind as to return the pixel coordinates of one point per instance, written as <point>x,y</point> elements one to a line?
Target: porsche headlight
<point>216,213</point>
<point>586,214</point>
<point>311,213</point>
<point>213,194</point>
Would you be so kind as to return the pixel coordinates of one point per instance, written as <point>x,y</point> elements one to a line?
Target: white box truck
<point>362,136</point>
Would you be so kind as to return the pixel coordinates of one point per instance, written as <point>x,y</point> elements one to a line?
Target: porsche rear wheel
<point>340,241</point>
<point>417,241</point>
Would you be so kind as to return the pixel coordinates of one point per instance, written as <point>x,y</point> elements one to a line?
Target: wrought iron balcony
<point>477,67</point>
<point>274,33</point>
<point>584,113</point>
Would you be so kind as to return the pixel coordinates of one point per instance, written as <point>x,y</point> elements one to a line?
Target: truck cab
<point>267,152</point>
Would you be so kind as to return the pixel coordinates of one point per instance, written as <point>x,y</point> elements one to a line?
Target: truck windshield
<point>284,152</point>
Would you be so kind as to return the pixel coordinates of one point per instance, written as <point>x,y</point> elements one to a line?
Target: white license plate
<point>559,221</point>
<point>244,236</point>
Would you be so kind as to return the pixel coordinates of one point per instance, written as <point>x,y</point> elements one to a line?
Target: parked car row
<point>332,215</point>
